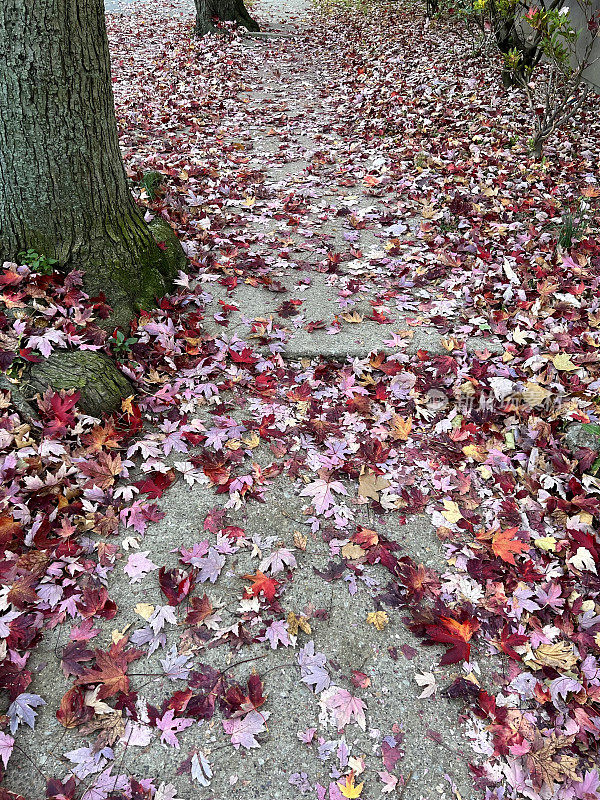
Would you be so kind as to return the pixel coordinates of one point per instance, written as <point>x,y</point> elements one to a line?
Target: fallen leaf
<point>506,546</point>
<point>370,484</point>
<point>378,618</point>
<point>349,788</point>
<point>563,363</point>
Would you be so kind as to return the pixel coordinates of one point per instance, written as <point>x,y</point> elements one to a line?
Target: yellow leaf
<point>400,428</point>
<point>251,440</point>
<point>352,551</point>
<point>378,618</point>
<point>300,540</point>
<point>349,788</point>
<point>117,635</point>
<point>294,623</point>
<point>451,511</point>
<point>534,394</point>
<point>145,610</point>
<point>449,344</point>
<point>474,452</point>
<point>547,543</point>
<point>563,363</point>
<point>126,405</point>
<point>559,655</point>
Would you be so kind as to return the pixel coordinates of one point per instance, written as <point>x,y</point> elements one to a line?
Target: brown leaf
<point>549,765</point>
<point>559,655</point>
<point>73,710</point>
<point>370,484</point>
<point>400,428</point>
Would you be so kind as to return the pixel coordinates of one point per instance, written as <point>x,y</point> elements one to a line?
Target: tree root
<point>23,404</point>
<point>101,385</point>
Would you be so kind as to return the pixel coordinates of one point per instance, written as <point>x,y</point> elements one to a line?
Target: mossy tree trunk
<point>63,190</point>
<point>207,11</point>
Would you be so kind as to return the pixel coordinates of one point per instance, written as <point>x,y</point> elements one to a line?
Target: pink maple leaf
<point>321,492</point>
<point>6,746</point>
<point>171,726</point>
<point>277,633</point>
<point>138,566</point>
<point>345,708</point>
<point>243,730</point>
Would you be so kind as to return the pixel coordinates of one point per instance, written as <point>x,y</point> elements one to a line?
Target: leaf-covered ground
<point>360,189</point>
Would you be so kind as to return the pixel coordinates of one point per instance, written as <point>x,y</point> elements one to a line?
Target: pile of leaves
<point>473,438</point>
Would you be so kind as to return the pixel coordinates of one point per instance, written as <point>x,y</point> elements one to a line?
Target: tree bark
<point>63,190</point>
<point>222,10</point>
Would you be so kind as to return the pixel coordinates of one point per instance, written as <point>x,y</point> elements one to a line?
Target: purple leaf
<point>21,710</point>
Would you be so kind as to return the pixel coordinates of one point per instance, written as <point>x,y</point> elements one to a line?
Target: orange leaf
<point>365,537</point>
<point>506,547</point>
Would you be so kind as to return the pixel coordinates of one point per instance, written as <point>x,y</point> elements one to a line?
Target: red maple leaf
<point>261,583</point>
<point>199,609</point>
<point>73,710</point>
<point>108,674</point>
<point>418,581</point>
<point>156,483</point>
<point>176,584</point>
<point>239,701</point>
<point>214,465</point>
<point>11,532</point>
<point>96,603</point>
<point>365,537</point>
<point>13,678</point>
<point>246,356</point>
<point>510,640</point>
<point>454,632</point>
<point>73,654</point>
<point>58,409</point>
<point>110,669</point>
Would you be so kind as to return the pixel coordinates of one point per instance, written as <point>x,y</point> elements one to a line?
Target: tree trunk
<point>222,10</point>
<point>63,190</point>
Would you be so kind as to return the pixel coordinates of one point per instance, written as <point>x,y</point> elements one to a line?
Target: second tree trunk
<point>207,11</point>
